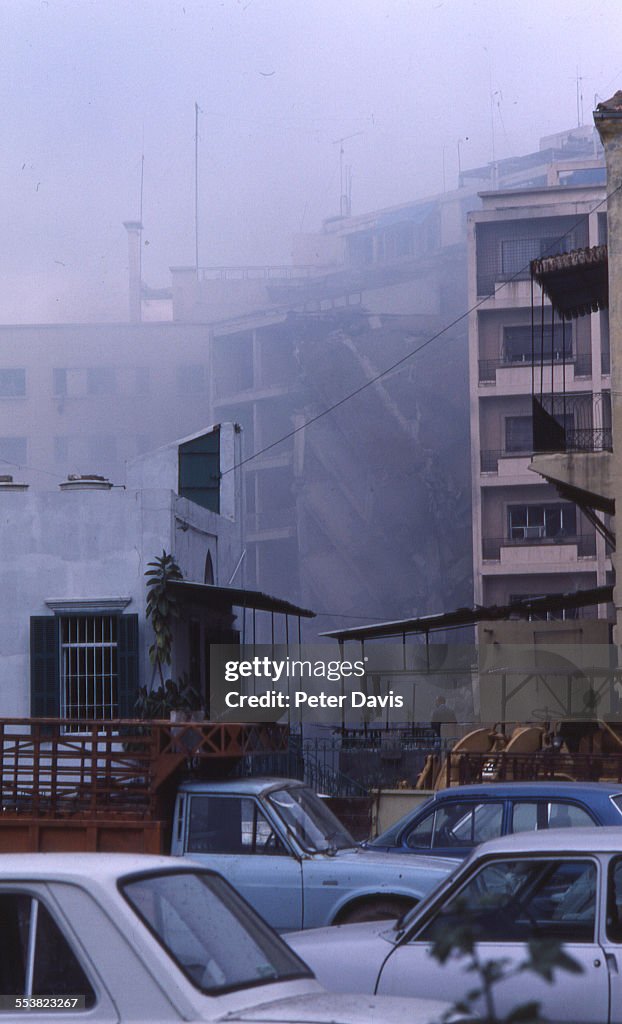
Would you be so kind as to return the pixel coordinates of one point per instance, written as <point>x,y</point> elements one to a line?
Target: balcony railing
<point>489,459</point>
<point>585,543</point>
<point>589,439</point>
<point>578,439</point>
<point>582,363</point>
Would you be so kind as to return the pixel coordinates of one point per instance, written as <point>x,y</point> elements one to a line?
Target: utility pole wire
<point>415,351</point>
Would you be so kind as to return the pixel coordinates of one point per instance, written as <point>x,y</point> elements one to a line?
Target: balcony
<point>487,368</point>
<point>585,544</point>
<point>490,458</point>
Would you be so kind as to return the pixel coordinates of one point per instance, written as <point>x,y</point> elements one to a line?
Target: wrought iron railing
<point>586,439</point>
<point>585,543</point>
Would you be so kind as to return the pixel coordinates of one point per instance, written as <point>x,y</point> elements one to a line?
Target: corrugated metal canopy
<point>210,596</point>
<point>470,616</point>
<point>575,282</point>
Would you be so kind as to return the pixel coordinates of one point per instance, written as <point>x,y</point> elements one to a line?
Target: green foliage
<point>169,696</point>
<point>162,608</point>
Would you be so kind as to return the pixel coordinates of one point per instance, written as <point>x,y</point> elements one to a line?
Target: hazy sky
<point>91,85</point>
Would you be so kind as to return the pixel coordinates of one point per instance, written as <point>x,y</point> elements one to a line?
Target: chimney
<point>134,238</point>
<point>608,120</point>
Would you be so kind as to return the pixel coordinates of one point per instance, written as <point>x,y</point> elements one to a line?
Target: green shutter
<point>44,674</point>
<point>127,664</point>
<point>199,470</point>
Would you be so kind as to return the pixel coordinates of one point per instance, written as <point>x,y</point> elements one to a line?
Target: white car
<point>110,938</point>
<point>563,884</point>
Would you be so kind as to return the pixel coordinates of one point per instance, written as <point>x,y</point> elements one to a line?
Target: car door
<point>453,827</point>
<point>233,835</point>
<point>612,936</point>
<point>503,904</point>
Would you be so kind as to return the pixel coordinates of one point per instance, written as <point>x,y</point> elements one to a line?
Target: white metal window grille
<point>88,666</point>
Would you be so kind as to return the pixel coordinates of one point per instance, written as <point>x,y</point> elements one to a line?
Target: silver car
<point>111,938</point>
<point>563,884</point>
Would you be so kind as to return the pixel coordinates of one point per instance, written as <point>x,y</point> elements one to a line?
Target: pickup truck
<point>288,855</point>
<point>118,787</point>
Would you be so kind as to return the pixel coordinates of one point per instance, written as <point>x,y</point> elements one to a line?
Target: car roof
<point>83,867</point>
<point>254,785</point>
<point>556,840</point>
<point>554,788</point>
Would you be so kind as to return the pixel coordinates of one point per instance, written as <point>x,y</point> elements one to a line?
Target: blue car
<point>455,820</point>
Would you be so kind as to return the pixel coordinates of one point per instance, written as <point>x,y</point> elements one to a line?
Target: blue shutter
<point>44,674</point>
<point>127,665</point>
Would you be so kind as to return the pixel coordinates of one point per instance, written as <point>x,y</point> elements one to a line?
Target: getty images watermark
<point>272,683</point>
<point>405,683</point>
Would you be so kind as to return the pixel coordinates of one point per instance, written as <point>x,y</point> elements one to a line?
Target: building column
<point>608,120</point>
<point>134,235</point>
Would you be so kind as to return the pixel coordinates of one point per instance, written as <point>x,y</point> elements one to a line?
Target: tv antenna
<point>579,80</point>
<point>345,180</point>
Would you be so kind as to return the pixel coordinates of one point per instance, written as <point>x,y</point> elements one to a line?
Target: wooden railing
<point>60,767</point>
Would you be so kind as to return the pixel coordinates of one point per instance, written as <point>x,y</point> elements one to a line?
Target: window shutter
<point>127,664</point>
<point>44,675</point>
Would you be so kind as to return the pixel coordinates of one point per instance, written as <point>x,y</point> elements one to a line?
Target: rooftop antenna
<point>344,203</point>
<point>140,213</point>
<point>196,188</point>
<point>579,79</point>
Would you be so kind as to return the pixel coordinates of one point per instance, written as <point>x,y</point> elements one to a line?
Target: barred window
<point>88,666</point>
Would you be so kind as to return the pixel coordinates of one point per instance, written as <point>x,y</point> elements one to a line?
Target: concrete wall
<point>89,546</point>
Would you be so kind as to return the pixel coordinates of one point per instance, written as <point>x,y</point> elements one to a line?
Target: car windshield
<point>212,934</point>
<point>309,820</point>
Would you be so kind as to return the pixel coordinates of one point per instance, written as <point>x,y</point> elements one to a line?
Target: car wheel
<point>381,908</point>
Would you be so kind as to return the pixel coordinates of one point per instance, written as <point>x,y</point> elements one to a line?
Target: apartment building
<point>527,540</point>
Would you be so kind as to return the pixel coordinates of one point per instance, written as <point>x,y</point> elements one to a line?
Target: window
<point>537,522</point>
<point>518,434</point>
<point>101,380</point>
<point>517,253</point>
<point>12,383</point>
<point>210,932</point>
<point>13,451</point>
<point>528,816</point>
<point>456,825</point>
<point>61,448</point>
<point>199,470</point>
<point>35,957</point>
<point>515,901</point>
<point>517,343</point>
<point>88,666</point>
<point>59,382</point>
<point>83,665</point>
<point>230,825</point>
<point>614,901</point>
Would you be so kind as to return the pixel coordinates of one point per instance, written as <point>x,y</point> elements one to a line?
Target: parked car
<point>285,851</point>
<point>455,820</point>
<point>113,938</point>
<point>564,884</point>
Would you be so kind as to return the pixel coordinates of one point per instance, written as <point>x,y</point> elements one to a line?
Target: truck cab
<point>289,856</point>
